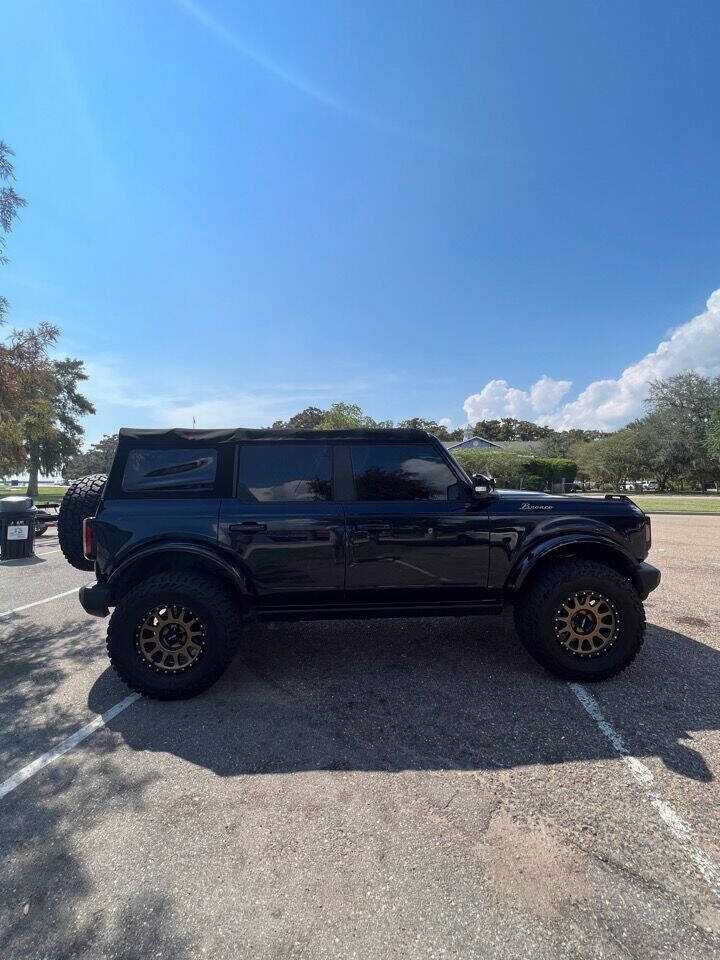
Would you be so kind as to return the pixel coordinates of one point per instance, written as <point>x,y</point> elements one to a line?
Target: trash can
<point>17,527</point>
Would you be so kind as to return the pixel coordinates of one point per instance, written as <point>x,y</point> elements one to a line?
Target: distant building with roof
<point>470,444</point>
<point>532,447</point>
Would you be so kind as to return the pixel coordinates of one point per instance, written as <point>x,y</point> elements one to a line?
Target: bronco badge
<point>533,506</point>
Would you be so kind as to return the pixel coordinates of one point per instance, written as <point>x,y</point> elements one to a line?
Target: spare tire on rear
<point>81,500</point>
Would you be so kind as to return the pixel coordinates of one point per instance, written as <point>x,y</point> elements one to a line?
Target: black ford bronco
<point>194,532</point>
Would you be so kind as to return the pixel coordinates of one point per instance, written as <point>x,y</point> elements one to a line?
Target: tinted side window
<point>285,471</point>
<point>172,470</point>
<point>401,471</point>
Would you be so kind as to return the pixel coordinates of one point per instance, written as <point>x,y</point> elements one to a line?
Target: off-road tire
<point>81,500</point>
<point>209,600</point>
<point>536,609</point>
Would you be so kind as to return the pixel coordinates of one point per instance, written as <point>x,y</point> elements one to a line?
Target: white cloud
<point>607,404</point>
<point>445,422</point>
<point>547,393</point>
<point>498,399</point>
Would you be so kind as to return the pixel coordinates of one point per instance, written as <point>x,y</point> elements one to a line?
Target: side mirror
<point>482,484</point>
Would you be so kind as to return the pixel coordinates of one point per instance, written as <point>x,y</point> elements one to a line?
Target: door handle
<point>248,526</point>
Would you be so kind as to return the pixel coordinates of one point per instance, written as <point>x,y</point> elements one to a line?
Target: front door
<point>283,526</point>
<point>414,533</point>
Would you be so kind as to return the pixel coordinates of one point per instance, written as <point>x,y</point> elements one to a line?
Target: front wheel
<point>173,635</point>
<point>581,620</point>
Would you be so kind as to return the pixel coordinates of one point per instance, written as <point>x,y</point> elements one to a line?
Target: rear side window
<point>401,471</point>
<point>150,471</point>
<point>285,471</point>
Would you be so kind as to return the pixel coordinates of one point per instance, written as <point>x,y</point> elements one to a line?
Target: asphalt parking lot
<point>409,788</point>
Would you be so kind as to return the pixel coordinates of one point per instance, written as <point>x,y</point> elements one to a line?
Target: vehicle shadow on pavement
<point>421,695</point>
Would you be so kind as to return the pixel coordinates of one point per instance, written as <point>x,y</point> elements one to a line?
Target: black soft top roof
<point>240,434</point>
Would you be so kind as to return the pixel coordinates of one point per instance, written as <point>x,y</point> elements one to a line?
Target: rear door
<point>414,533</point>
<point>284,525</point>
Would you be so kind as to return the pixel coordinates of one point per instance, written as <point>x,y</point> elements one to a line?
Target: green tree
<point>308,419</point>
<point>18,354</point>
<point>555,469</point>
<point>659,452</point>
<point>508,468</point>
<point>40,405</point>
<point>510,429</point>
<point>10,203</point>
<point>684,405</point>
<point>343,416</point>
<point>349,416</point>
<point>712,435</point>
<point>431,426</point>
<point>26,375</point>
<point>517,470</point>
<point>97,458</point>
<point>610,460</point>
<point>51,425</point>
<point>563,443</point>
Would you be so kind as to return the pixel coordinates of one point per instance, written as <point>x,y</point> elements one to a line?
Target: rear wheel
<point>173,635</point>
<point>581,620</point>
<point>81,500</point>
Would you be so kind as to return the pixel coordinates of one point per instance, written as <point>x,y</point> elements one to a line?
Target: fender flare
<point>539,551</point>
<point>237,576</point>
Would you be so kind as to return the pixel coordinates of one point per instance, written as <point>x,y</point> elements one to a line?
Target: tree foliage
<point>51,423</point>
<point>10,203</point>
<point>307,419</point>
<point>712,438</point>
<point>683,407</point>
<point>347,416</point>
<point>26,376</point>
<point>432,426</point>
<point>610,460</point>
<point>97,458</point>
<point>514,470</point>
<point>509,429</point>
<point>40,405</point>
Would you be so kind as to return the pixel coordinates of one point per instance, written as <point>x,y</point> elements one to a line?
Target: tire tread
<point>227,616</point>
<point>81,500</point>
<point>527,612</point>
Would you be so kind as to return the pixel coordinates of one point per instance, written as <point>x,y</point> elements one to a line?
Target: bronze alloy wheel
<point>586,623</point>
<point>170,639</point>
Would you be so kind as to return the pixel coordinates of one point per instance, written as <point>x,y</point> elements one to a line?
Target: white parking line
<point>681,830</point>
<point>7,786</point>
<point>36,603</point>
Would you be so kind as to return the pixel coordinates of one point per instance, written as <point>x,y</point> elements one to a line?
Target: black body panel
<point>317,551</point>
<point>405,552</point>
<point>290,553</point>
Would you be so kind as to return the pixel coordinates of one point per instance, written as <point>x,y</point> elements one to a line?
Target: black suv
<point>194,532</point>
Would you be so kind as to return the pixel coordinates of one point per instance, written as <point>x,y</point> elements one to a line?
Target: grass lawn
<point>677,504</point>
<point>667,503</point>
<point>55,494</point>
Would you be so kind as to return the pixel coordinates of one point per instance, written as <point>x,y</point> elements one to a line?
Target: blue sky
<point>445,210</point>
